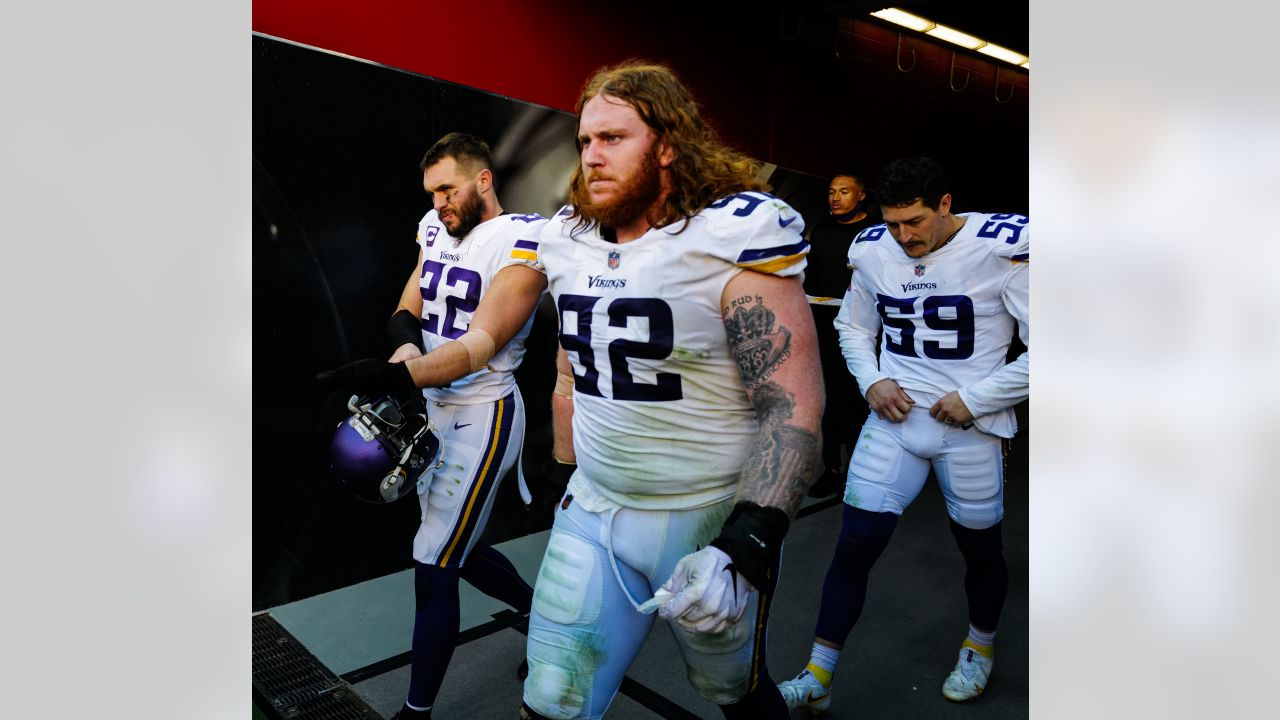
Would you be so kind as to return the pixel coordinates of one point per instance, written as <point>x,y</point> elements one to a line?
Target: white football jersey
<point>661,419</point>
<point>455,275</point>
<point>947,318</point>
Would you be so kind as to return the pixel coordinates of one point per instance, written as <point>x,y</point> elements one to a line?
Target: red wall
<point>542,52</point>
<point>514,48</point>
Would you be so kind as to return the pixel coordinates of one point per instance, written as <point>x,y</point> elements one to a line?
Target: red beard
<point>634,198</point>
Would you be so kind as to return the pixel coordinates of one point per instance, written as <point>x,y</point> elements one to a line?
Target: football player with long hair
<point>690,397</point>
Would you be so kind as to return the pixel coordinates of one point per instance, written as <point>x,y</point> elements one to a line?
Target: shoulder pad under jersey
<point>868,240</point>
<point>757,231</point>
<point>1007,234</point>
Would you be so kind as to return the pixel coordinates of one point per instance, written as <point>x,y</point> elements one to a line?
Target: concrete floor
<point>895,661</point>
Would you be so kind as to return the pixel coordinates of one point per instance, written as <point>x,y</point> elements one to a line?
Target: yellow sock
<point>823,675</point>
<point>986,651</point>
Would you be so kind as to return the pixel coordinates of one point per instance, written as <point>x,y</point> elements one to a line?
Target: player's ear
<point>485,179</point>
<point>666,154</point>
<point>944,205</point>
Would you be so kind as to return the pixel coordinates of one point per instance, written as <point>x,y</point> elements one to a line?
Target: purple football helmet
<point>379,452</point>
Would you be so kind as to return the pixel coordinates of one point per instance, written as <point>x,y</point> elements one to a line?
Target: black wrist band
<point>405,327</point>
<point>752,538</point>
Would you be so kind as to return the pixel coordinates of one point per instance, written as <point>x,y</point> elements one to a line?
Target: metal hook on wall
<point>952,79</point>
<point>997,88</point>
<point>898,57</point>
<point>782,23</point>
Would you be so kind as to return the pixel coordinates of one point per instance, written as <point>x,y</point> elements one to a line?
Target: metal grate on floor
<point>289,683</point>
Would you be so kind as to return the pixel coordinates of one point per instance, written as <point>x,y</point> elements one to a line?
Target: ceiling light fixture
<point>942,32</point>
<point>905,19</point>
<point>951,35</point>
<point>1003,53</point>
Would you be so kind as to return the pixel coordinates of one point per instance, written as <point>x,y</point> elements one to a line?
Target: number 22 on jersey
<point>454,304</point>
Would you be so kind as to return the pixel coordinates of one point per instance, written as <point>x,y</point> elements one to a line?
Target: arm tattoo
<point>758,346</point>
<point>785,457</point>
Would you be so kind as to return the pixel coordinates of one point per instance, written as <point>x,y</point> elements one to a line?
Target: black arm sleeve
<point>404,327</point>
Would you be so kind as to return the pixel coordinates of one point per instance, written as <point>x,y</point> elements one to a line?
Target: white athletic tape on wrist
<point>480,347</point>
<point>564,385</point>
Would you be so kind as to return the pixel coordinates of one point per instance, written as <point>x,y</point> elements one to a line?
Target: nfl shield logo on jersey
<point>920,270</point>
<point>614,259</point>
<point>431,236</point>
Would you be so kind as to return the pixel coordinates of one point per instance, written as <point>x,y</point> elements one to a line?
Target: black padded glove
<point>752,538</point>
<point>369,377</point>
<point>558,474</point>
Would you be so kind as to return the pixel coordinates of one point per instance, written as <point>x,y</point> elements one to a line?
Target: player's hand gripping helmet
<point>380,450</point>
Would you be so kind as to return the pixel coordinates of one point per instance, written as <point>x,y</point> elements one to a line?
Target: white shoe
<point>805,692</point>
<point>969,678</point>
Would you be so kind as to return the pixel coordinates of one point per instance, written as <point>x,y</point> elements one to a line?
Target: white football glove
<point>707,596</point>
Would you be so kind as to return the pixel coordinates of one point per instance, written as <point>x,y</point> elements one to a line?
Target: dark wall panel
<point>337,197</point>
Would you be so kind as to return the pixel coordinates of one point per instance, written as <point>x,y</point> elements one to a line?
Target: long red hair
<point>704,168</point>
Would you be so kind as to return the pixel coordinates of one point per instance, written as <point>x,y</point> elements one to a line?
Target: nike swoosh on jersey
<point>788,222</point>
<point>456,426</point>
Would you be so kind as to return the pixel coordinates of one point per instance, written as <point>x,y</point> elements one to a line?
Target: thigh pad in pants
<point>883,475</point>
<point>583,632</point>
<point>480,443</point>
<point>970,471</point>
